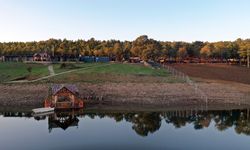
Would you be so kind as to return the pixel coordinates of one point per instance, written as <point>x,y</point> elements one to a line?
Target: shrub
<point>68,66</point>
<point>63,65</point>
<point>29,69</point>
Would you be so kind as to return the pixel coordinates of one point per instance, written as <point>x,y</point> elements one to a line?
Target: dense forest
<point>143,47</point>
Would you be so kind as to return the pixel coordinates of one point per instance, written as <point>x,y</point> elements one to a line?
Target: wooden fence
<point>187,79</point>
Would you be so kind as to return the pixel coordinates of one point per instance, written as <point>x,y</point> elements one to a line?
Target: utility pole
<point>53,50</point>
<point>248,54</point>
<point>248,59</point>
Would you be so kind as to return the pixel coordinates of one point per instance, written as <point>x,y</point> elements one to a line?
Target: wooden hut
<point>43,56</point>
<point>64,97</point>
<point>135,60</point>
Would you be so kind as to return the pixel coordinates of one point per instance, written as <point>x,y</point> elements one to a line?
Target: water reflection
<point>145,123</point>
<point>62,120</point>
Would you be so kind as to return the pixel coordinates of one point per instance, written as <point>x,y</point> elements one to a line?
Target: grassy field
<point>13,71</point>
<point>113,72</point>
<point>126,69</point>
<point>86,72</point>
<point>71,66</point>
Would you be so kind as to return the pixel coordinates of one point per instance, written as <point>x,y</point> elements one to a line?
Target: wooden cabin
<point>64,97</point>
<point>43,56</point>
<point>135,60</point>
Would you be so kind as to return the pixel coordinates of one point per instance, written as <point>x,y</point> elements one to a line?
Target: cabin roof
<point>72,88</point>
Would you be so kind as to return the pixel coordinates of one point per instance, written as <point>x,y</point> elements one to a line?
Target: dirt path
<point>51,70</point>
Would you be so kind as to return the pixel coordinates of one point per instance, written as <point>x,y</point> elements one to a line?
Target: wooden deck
<point>43,110</point>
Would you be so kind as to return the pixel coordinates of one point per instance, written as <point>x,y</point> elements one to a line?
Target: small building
<point>90,59</point>
<point>27,58</point>
<point>87,59</point>
<point>134,59</point>
<point>102,59</point>
<point>64,97</point>
<point>16,58</point>
<point>12,58</point>
<point>43,56</point>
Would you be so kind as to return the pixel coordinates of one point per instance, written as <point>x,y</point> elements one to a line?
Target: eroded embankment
<point>158,94</point>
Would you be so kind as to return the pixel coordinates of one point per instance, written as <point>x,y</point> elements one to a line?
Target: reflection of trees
<point>202,121</point>
<point>178,122</point>
<point>198,119</point>
<point>119,117</point>
<point>243,125</point>
<point>223,120</point>
<point>144,123</point>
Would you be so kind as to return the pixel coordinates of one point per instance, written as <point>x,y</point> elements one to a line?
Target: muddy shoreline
<point>140,94</point>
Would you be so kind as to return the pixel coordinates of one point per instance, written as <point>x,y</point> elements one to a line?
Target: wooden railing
<point>63,105</point>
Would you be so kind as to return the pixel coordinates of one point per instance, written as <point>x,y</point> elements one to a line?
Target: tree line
<point>143,47</point>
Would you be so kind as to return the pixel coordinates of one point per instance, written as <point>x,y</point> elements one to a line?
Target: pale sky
<point>165,20</point>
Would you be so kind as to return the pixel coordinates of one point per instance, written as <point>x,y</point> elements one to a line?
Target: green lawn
<point>86,72</point>
<point>127,69</point>
<point>12,70</point>
<point>113,72</point>
<point>70,66</point>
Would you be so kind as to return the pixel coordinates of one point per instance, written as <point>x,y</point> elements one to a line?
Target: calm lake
<point>186,129</point>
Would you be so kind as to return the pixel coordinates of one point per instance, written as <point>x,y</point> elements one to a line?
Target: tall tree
<point>118,51</point>
<point>245,50</point>
<point>182,52</point>
<point>207,50</point>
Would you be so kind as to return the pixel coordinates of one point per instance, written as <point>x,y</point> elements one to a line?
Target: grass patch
<point>14,70</point>
<point>112,78</point>
<point>118,73</point>
<point>59,67</point>
<point>127,69</point>
<point>88,72</point>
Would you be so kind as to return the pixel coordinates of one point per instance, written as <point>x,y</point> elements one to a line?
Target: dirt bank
<point>169,94</point>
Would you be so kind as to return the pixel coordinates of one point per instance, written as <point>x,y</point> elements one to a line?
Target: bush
<point>63,65</point>
<point>29,69</point>
<point>68,66</point>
